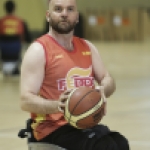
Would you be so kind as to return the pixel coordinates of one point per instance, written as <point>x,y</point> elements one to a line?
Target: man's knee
<point>103,143</point>
<point>121,140</point>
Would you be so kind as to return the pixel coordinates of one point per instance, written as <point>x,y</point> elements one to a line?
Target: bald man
<point>48,72</point>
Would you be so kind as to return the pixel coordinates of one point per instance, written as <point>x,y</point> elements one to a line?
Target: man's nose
<point>64,12</point>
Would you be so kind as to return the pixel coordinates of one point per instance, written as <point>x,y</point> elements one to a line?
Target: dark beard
<point>60,30</point>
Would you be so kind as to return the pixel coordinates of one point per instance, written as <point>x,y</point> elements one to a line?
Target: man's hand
<point>101,90</point>
<point>62,100</point>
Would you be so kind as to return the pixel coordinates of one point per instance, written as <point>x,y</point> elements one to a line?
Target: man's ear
<point>47,16</point>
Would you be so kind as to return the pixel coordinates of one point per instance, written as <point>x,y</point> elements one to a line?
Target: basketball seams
<point>75,122</point>
<point>67,111</point>
<point>80,124</point>
<point>79,102</point>
<point>74,119</point>
<point>88,93</point>
<point>87,113</point>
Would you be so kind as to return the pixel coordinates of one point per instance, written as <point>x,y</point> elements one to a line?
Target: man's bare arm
<point>32,74</point>
<point>101,74</point>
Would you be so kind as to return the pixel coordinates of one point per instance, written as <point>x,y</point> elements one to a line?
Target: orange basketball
<point>84,108</point>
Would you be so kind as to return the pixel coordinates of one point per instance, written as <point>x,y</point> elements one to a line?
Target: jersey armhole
<point>86,44</point>
<point>46,55</point>
<point>90,51</point>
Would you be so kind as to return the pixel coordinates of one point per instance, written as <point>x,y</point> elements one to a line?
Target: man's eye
<point>70,9</point>
<point>58,9</point>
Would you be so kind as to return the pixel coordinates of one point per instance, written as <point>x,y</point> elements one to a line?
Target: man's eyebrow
<point>61,5</point>
<point>71,6</point>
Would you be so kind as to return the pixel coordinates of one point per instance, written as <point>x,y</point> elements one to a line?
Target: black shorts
<point>96,138</point>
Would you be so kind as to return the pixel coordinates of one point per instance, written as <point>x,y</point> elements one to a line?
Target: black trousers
<point>96,138</point>
<point>10,50</point>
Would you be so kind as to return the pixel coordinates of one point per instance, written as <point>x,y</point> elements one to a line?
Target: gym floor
<point>128,108</point>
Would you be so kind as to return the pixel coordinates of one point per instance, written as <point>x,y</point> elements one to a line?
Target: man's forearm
<point>109,85</point>
<point>36,104</point>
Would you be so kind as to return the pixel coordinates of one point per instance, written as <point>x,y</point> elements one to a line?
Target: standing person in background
<point>13,31</point>
<point>49,71</point>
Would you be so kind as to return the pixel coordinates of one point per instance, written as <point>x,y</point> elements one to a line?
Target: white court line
<point>138,143</point>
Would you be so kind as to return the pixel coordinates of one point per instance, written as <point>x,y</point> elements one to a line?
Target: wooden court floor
<point>128,108</point>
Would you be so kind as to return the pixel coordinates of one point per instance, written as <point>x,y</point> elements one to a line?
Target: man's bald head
<point>62,15</point>
<point>51,2</point>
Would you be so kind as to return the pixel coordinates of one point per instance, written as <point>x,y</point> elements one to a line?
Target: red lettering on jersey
<point>61,84</point>
<point>78,81</point>
<point>83,81</point>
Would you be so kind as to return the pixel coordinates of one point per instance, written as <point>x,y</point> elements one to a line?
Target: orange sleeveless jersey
<point>63,70</point>
<point>11,25</point>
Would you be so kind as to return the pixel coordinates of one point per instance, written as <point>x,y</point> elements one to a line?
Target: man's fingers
<point>97,88</point>
<point>101,89</point>
<point>105,109</point>
<point>67,92</point>
<point>61,106</point>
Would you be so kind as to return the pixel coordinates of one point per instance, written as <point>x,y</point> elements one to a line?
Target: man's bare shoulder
<point>34,54</point>
<point>91,46</point>
<point>35,47</point>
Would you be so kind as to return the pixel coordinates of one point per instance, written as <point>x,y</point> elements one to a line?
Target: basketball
<point>84,108</point>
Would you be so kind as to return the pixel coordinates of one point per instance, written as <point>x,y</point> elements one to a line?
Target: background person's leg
<point>9,67</point>
<point>10,52</point>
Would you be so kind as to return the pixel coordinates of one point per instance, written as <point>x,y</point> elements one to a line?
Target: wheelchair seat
<point>26,133</point>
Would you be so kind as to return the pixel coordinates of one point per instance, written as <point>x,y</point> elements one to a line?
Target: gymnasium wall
<point>113,3</point>
<point>33,12</point>
<point>116,20</point>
